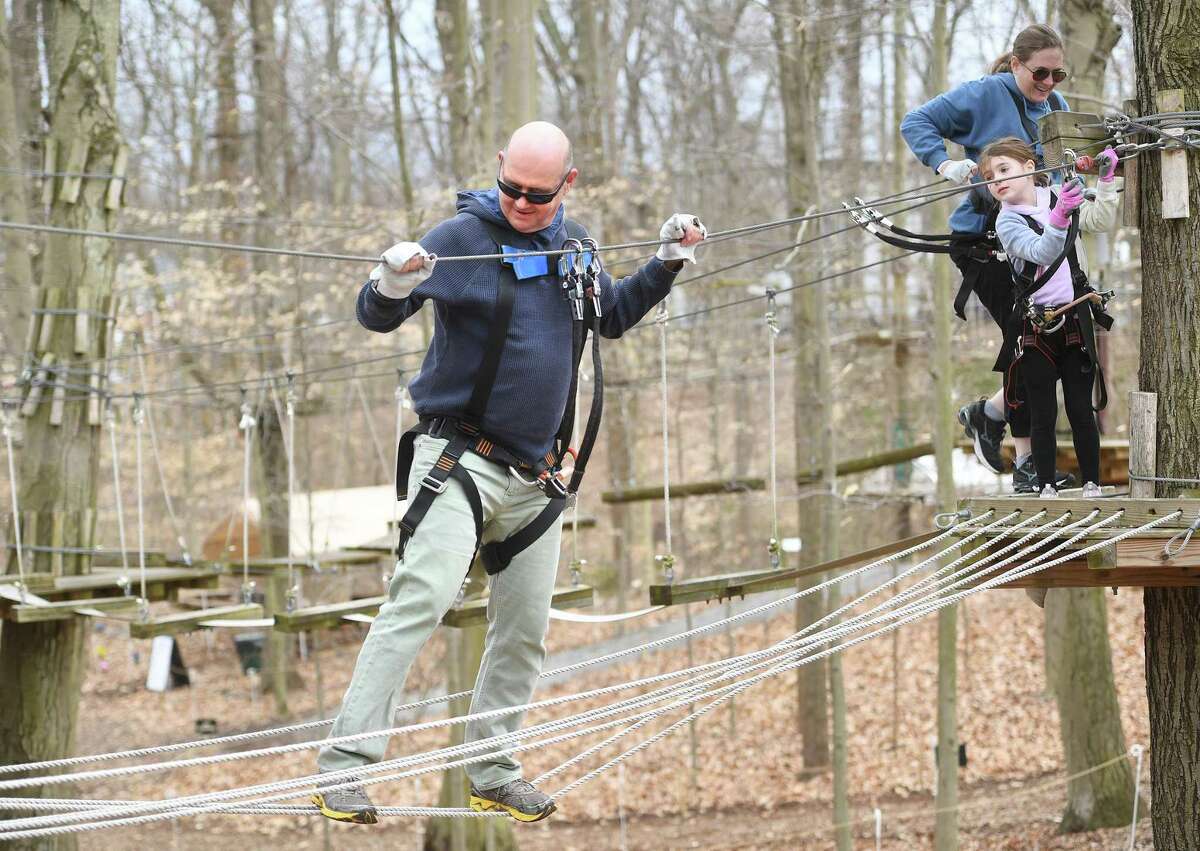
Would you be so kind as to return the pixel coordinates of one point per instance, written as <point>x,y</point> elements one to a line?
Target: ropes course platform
<point>703,589</point>
<point>738,485</point>
<point>64,597</point>
<point>182,622</point>
<point>1114,457</point>
<point>469,613</point>
<point>1142,561</point>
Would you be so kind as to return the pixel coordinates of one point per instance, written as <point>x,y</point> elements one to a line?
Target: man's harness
<point>580,274</point>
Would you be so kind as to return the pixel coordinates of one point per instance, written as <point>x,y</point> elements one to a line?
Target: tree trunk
<point>1165,36</point>
<point>464,652</point>
<point>518,68</point>
<point>1088,713</point>
<point>1078,656</point>
<point>454,35</point>
<point>946,827</point>
<point>271,165</point>
<point>59,466</point>
<point>798,115</point>
<point>406,189</point>
<point>589,101</point>
<point>18,272</point>
<point>339,151</point>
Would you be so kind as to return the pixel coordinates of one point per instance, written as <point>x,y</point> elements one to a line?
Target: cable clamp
<point>774,551</point>
<point>1186,535</point>
<point>577,571</point>
<point>668,565</point>
<point>873,214</point>
<point>247,593</point>
<point>290,398</point>
<point>771,317</point>
<point>951,518</point>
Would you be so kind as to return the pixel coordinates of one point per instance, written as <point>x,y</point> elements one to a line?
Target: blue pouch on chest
<point>525,265</point>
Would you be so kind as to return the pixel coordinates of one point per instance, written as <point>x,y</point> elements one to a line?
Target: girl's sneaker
<point>1049,492</point>
<point>1091,490</point>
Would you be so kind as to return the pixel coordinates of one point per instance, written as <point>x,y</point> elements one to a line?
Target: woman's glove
<point>686,228</point>
<point>1106,164</point>
<point>957,171</point>
<point>1070,196</point>
<point>404,265</point>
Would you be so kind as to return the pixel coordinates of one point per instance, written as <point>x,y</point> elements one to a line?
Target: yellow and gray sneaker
<point>349,804</point>
<point>517,797</point>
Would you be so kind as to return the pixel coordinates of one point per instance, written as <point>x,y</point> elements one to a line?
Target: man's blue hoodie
<point>534,378</point>
<point>973,115</point>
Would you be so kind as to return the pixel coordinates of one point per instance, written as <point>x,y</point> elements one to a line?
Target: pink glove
<point>1070,196</point>
<point>1106,164</point>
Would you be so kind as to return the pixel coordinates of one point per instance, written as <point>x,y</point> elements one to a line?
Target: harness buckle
<point>434,484</point>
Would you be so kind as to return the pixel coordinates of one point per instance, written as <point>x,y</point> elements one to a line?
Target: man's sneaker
<point>1025,478</point>
<point>985,433</point>
<point>350,804</point>
<point>517,797</point>
<point>1091,490</point>
<point>1048,492</point>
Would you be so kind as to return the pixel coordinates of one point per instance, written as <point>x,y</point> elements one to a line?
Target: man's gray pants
<point>424,587</point>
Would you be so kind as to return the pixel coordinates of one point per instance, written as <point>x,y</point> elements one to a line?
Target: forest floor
<point>746,792</point>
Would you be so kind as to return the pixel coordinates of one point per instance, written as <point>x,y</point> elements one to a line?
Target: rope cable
<point>657,643</point>
<point>110,419</point>
<point>774,545</point>
<point>139,417</point>
<point>246,425</point>
<point>162,475</point>
<point>6,426</point>
<point>667,559</point>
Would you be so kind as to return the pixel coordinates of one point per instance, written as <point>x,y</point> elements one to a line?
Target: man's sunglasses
<point>538,198</point>
<point>1040,74</point>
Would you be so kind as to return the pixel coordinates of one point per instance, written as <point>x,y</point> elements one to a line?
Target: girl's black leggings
<point>1072,366</point>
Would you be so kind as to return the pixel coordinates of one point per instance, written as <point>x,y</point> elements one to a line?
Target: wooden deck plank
<point>326,615</point>
<point>703,589</point>
<point>61,610</point>
<point>472,613</point>
<point>161,577</point>
<point>181,622</point>
<point>1137,511</point>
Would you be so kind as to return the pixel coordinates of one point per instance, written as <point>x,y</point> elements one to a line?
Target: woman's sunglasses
<point>1040,74</point>
<point>538,198</point>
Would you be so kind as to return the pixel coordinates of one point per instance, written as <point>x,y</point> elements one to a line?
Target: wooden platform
<point>845,467</point>
<point>703,589</point>
<point>471,613</point>
<point>1114,457</point>
<point>1135,562</point>
<point>181,622</point>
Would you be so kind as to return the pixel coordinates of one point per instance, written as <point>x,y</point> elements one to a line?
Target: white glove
<point>675,228</point>
<point>390,277</point>
<point>957,171</point>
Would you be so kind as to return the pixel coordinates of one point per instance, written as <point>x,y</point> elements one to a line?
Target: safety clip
<point>591,273</point>
<point>570,268</point>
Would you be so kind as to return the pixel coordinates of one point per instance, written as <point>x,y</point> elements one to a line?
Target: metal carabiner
<point>591,274</point>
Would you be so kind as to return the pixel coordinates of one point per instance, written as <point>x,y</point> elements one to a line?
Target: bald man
<point>492,396</point>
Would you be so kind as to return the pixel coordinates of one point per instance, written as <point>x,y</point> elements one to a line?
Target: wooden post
<point>1130,201</point>
<point>1143,431</point>
<point>1174,162</point>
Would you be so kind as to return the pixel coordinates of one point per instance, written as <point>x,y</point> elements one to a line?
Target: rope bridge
<point>970,556</point>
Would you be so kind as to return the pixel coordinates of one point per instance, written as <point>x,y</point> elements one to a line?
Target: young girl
<point>1044,346</point>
